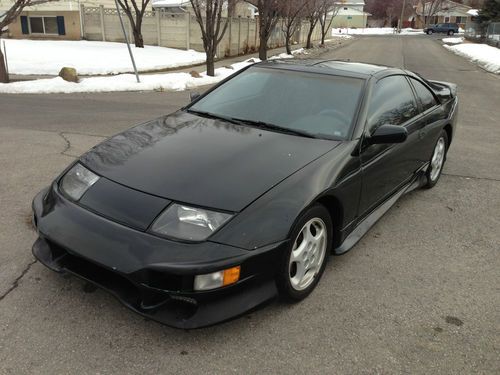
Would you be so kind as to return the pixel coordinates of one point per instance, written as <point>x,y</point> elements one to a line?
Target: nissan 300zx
<point>202,215</point>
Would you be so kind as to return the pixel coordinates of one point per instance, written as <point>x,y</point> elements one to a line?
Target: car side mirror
<point>388,134</point>
<point>194,96</point>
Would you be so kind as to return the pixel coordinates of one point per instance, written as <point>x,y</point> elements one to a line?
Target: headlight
<point>189,223</point>
<point>77,181</point>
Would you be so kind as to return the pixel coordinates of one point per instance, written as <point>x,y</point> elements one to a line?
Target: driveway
<point>419,293</point>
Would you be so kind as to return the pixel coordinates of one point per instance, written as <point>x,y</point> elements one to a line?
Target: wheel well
<point>336,211</point>
<point>448,130</point>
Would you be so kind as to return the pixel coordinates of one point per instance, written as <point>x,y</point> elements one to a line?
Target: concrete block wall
<point>182,31</point>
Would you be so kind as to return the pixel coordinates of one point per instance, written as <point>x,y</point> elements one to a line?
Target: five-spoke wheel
<point>305,258</point>
<point>437,160</point>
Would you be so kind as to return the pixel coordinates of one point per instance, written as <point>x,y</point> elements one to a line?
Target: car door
<point>386,167</point>
<point>431,117</point>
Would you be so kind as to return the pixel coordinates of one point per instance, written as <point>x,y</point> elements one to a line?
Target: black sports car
<point>197,217</point>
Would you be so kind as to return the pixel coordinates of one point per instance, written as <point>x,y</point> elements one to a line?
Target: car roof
<point>332,67</point>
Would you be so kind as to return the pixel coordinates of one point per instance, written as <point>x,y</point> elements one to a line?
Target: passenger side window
<point>392,103</point>
<point>424,94</point>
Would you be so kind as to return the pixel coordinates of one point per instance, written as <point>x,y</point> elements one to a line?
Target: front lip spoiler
<point>172,309</point>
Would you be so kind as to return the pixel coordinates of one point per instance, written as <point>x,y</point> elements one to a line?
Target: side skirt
<point>365,225</point>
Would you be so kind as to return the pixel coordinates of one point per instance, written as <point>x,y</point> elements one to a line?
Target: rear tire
<point>437,161</point>
<point>304,260</point>
<point>429,32</point>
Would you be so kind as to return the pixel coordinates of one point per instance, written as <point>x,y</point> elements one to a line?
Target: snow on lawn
<point>341,36</point>
<point>121,82</point>
<point>482,54</point>
<point>453,40</point>
<point>374,31</point>
<point>91,58</point>
<point>284,55</point>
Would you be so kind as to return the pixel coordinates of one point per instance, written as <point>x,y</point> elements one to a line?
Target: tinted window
<point>424,94</point>
<point>321,105</point>
<point>392,102</point>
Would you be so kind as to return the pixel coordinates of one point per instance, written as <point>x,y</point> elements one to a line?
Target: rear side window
<point>392,103</point>
<point>424,94</point>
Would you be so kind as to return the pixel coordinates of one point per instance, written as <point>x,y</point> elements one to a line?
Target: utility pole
<point>400,25</point>
<point>128,44</point>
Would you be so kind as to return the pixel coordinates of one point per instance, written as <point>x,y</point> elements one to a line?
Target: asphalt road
<point>419,294</point>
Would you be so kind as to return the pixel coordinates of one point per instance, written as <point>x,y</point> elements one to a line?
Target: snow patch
<point>453,40</point>
<point>341,36</point>
<point>375,31</point>
<point>122,82</point>
<point>482,54</point>
<point>47,57</point>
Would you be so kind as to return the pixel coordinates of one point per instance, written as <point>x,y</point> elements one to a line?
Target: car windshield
<point>307,104</point>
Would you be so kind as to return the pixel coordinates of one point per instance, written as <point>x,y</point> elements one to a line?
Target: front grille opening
<point>107,279</point>
<point>163,281</point>
<point>140,297</point>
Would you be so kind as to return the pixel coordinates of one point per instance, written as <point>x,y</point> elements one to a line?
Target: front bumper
<point>150,275</point>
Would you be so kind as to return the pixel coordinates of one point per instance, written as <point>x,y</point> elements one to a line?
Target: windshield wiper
<point>268,126</point>
<point>258,124</point>
<point>214,116</point>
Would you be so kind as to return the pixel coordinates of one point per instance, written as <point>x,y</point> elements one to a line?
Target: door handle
<point>421,134</point>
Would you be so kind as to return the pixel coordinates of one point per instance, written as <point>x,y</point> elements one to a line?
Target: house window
<point>460,19</point>
<point>43,25</point>
<point>446,19</point>
<point>345,8</point>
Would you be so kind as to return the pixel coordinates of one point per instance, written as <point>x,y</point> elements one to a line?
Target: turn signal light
<point>217,279</point>
<point>231,275</point>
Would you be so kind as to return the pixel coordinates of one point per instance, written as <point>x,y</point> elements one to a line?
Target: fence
<point>182,31</point>
<point>490,35</point>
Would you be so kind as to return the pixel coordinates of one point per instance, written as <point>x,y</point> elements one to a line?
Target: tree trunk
<point>287,44</point>
<point>263,49</point>
<point>309,37</point>
<point>323,39</point>
<point>210,65</point>
<point>138,40</point>
<point>4,77</point>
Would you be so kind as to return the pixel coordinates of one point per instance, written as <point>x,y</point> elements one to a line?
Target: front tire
<point>304,260</point>
<point>451,32</point>
<point>437,161</point>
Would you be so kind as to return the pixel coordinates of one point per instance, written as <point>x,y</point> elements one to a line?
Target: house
<point>350,13</point>
<point>238,9</point>
<point>55,20</point>
<point>432,12</point>
<point>59,20</point>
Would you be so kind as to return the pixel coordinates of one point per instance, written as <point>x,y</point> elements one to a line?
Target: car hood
<point>200,161</point>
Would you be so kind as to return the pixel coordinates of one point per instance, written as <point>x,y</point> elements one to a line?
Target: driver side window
<point>392,103</point>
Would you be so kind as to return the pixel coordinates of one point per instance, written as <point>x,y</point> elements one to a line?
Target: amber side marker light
<point>231,275</point>
<point>217,279</point>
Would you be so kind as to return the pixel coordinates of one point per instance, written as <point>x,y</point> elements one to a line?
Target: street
<point>419,294</point>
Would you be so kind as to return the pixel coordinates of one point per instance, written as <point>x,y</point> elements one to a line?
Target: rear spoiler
<point>444,90</point>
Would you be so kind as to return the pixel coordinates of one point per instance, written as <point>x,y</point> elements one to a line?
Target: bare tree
<point>292,11</point>
<point>433,7</point>
<point>212,26</point>
<point>135,9</point>
<point>6,19</point>
<point>312,15</point>
<point>268,18</point>
<point>327,8</point>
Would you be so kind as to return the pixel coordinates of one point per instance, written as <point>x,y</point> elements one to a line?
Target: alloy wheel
<point>437,160</point>
<point>308,253</point>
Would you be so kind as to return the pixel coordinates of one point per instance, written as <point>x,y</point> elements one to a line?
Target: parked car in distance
<point>442,28</point>
<point>201,215</point>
